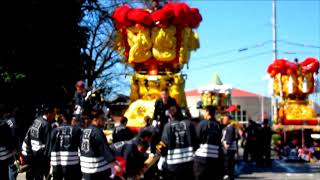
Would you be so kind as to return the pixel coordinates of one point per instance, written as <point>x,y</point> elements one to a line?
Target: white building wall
<point>252,105</point>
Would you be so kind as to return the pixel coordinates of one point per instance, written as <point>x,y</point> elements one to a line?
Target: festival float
<point>216,94</point>
<point>156,44</point>
<point>292,83</point>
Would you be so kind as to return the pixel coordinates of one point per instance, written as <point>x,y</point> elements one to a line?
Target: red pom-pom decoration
<point>140,16</point>
<point>270,68</point>
<point>161,17</point>
<point>181,13</point>
<point>120,15</point>
<point>178,14</point>
<point>282,66</point>
<point>310,65</point>
<point>291,67</point>
<point>196,17</point>
<point>279,66</point>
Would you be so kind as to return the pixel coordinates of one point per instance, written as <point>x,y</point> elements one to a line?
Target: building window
<point>239,115</point>
<point>244,116</point>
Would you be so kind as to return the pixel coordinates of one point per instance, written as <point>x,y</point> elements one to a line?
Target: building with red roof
<point>235,92</point>
<point>250,105</point>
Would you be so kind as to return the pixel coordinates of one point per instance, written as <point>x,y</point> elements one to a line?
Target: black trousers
<point>67,172</point>
<point>38,170</point>
<point>104,175</point>
<point>208,170</point>
<point>179,175</point>
<point>183,172</point>
<point>229,163</point>
<point>250,149</point>
<point>4,170</point>
<point>264,156</point>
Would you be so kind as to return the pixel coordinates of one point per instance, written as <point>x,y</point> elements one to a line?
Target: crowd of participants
<point>73,145</point>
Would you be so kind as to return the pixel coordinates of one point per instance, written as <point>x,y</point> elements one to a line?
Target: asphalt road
<point>281,170</point>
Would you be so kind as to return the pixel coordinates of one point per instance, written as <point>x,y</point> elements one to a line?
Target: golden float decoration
<point>156,44</point>
<point>293,82</point>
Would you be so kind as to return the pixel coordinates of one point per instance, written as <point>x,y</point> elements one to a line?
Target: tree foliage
<point>47,46</point>
<point>40,51</point>
<point>102,64</point>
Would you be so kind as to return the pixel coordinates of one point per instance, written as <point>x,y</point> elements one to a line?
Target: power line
<point>299,44</point>
<point>230,61</point>
<point>234,50</point>
<point>211,56</point>
<point>244,58</point>
<point>238,50</point>
<point>294,52</point>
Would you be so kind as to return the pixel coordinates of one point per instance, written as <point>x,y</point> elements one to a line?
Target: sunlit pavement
<point>281,170</point>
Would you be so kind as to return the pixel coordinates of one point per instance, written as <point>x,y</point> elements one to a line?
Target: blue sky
<point>231,25</point>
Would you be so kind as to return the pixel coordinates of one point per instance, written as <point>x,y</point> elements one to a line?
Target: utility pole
<point>262,108</point>
<point>274,29</point>
<point>274,53</point>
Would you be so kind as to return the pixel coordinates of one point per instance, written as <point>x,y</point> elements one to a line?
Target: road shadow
<point>278,166</point>
<point>248,178</point>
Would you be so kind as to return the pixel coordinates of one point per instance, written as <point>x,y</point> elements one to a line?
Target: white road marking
<point>299,174</point>
<point>288,169</point>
